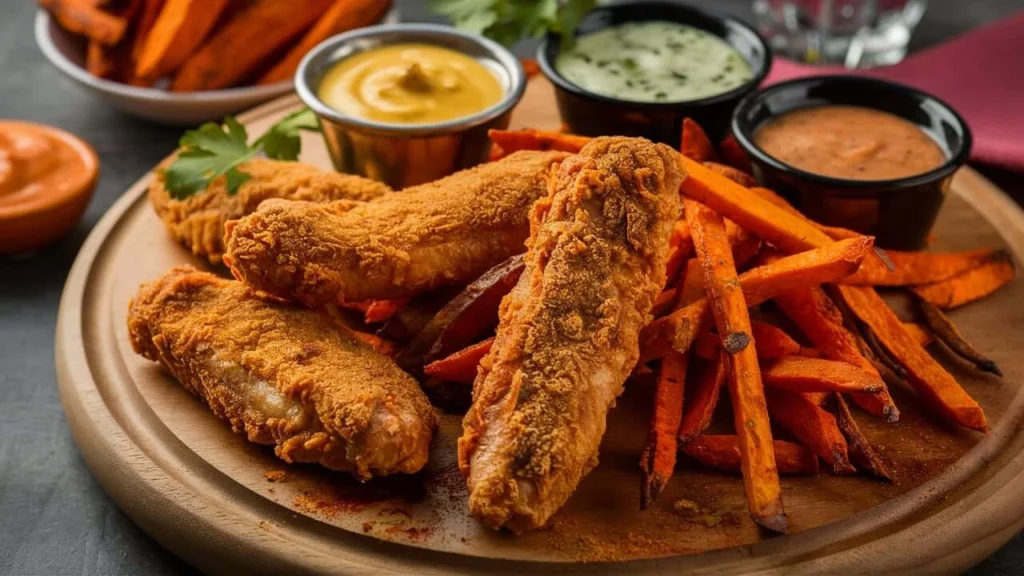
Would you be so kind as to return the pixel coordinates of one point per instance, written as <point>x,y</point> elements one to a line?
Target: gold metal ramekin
<point>402,155</point>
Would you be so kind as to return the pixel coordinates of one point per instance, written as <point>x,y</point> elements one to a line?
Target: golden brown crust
<point>441,233</point>
<point>198,221</point>
<point>567,337</point>
<point>286,376</point>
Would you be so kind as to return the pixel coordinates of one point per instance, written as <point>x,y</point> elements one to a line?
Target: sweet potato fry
<point>460,366</point>
<point>515,140</point>
<point>691,285</point>
<point>179,29</point>
<point>737,176</point>
<point>689,291</point>
<point>832,231</point>
<point>101,61</point>
<point>921,335</point>
<point>745,246</point>
<point>821,321</point>
<point>813,427</point>
<point>771,342</point>
<point>729,308</point>
<point>679,329</point>
<point>803,374</point>
<point>786,230</point>
<point>733,155</point>
<point>497,153</point>
<point>931,381</point>
<point>262,28</point>
<point>467,317</point>
<point>826,264</point>
<point>695,143</point>
<point>85,20</point>
<point>659,456</point>
<point>680,248</point>
<point>665,302</point>
<point>342,16</point>
<point>149,10</point>
<point>948,333</point>
<point>872,348</point>
<point>914,268</point>
<point>971,285</point>
<point>382,310</point>
<point>860,450</point>
<point>703,388</point>
<point>385,347</point>
<point>723,453</point>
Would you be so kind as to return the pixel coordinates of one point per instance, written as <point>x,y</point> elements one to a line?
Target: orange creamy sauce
<point>39,166</point>
<point>850,142</point>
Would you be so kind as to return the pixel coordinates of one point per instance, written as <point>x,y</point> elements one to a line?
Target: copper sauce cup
<point>403,155</point>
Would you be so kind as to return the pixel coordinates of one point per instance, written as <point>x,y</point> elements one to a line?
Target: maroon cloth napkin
<point>980,74</point>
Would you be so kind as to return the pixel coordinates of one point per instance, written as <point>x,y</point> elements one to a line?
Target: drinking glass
<point>853,33</point>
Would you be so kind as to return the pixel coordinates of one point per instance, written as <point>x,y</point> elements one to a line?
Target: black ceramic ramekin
<point>593,114</point>
<point>898,212</point>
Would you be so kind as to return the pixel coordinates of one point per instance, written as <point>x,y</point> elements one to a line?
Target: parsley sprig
<point>214,150</point>
<point>508,21</point>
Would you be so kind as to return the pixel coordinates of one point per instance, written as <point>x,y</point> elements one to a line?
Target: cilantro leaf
<point>473,16</point>
<point>214,150</point>
<point>570,16</point>
<point>207,152</point>
<point>508,21</point>
<point>234,178</point>
<point>282,141</point>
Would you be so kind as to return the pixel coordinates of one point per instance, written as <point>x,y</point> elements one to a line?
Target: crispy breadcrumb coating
<point>567,337</point>
<point>442,233</point>
<point>291,377</point>
<point>198,221</point>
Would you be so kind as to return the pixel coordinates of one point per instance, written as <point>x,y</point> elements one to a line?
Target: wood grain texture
<point>201,491</point>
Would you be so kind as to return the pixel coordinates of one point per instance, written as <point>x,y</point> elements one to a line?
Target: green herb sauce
<point>654,62</point>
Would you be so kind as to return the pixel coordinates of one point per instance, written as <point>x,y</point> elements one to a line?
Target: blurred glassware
<point>852,33</point>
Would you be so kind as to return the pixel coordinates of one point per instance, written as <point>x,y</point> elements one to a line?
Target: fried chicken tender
<point>198,221</point>
<point>442,233</point>
<point>286,376</point>
<point>568,331</point>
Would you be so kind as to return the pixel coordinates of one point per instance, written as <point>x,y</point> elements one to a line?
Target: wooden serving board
<point>226,505</point>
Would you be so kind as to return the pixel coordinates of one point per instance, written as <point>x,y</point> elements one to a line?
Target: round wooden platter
<point>208,495</point>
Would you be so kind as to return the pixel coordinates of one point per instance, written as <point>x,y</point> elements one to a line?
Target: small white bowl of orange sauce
<point>47,177</point>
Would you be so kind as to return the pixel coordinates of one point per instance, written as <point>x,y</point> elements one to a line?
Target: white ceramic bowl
<point>67,53</point>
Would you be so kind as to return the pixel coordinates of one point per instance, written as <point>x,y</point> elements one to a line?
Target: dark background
<point>54,517</point>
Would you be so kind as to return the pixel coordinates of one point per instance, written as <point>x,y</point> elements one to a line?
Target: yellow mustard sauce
<point>410,84</point>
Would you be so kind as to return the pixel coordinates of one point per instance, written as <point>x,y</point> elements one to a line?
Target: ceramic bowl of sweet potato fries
<point>184,62</point>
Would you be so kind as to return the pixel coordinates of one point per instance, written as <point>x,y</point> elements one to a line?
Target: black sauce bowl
<point>898,212</point>
<point>592,114</point>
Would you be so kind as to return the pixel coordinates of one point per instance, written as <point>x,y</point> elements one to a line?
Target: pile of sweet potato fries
<point>739,246</point>
<point>208,44</point>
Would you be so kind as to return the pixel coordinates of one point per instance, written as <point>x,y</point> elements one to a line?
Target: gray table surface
<point>54,517</point>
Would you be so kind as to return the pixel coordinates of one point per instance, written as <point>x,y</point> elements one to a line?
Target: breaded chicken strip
<point>198,221</point>
<point>285,376</point>
<point>444,232</point>
<point>568,331</point>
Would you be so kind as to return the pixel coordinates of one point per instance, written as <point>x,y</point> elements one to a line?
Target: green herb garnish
<point>508,21</point>
<point>214,150</point>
